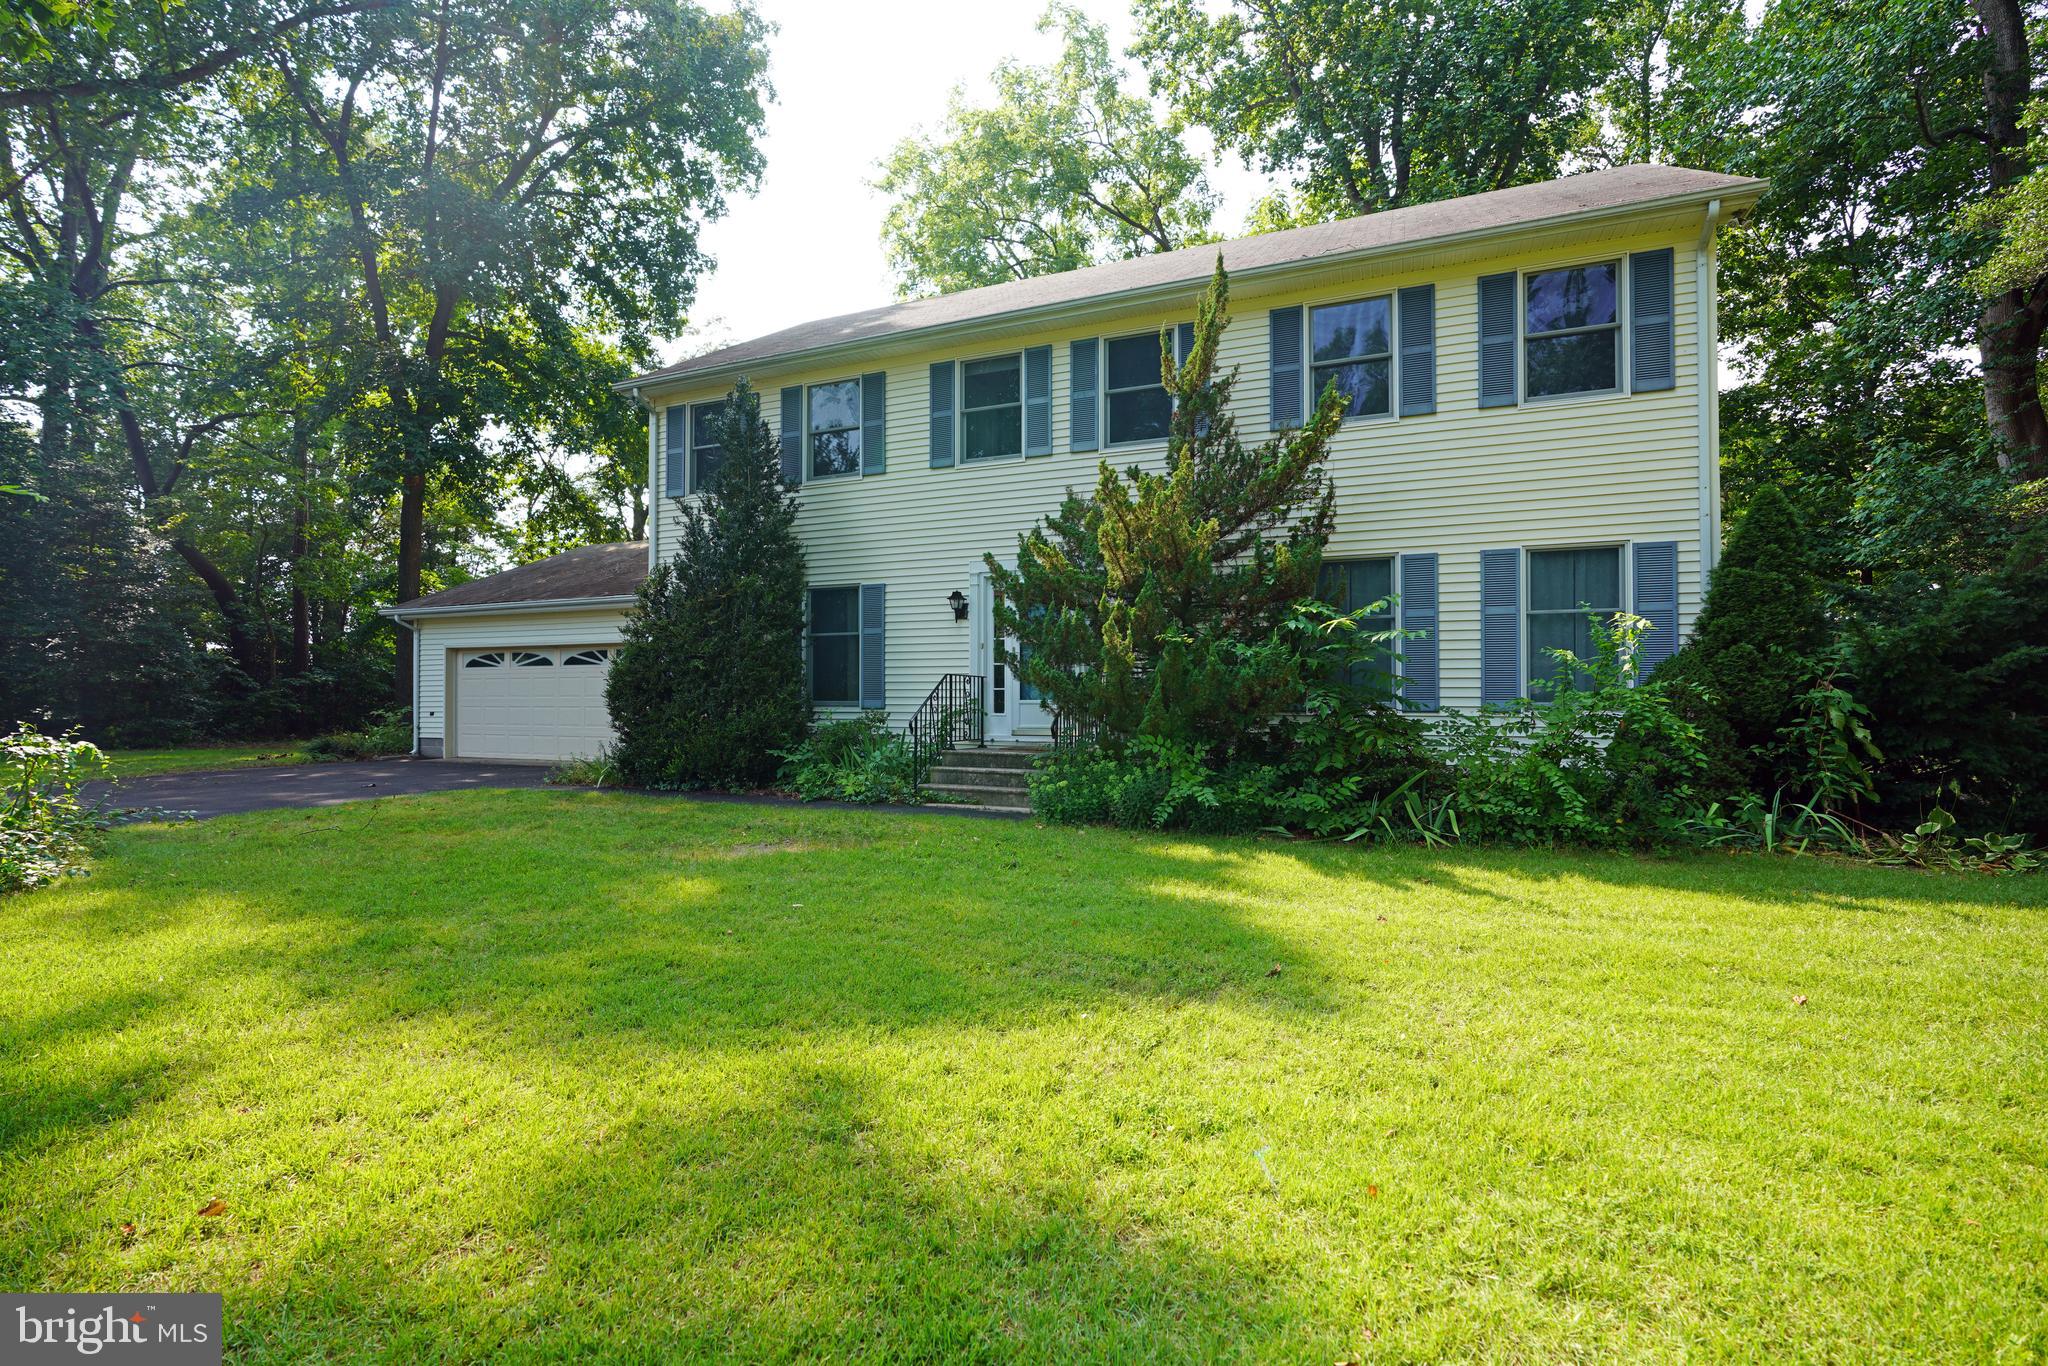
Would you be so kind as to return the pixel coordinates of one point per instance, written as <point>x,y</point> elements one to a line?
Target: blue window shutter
<point>874,422</point>
<point>1283,349</point>
<point>1500,626</point>
<point>1038,401</point>
<point>1652,362</point>
<point>1183,343</point>
<point>1497,330</point>
<point>874,686</point>
<point>942,415</point>
<point>792,434</point>
<point>1418,350</point>
<point>676,458</point>
<point>1084,412</point>
<point>1421,671</point>
<point>1656,598</point>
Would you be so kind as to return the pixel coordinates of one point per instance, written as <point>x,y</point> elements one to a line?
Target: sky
<point>851,80</point>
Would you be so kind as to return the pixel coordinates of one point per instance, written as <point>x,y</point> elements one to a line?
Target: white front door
<point>1014,710</point>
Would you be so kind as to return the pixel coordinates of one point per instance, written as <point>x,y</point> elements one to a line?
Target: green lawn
<point>513,1076</point>
<point>138,763</point>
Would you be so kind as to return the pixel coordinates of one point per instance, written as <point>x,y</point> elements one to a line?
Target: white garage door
<point>544,703</point>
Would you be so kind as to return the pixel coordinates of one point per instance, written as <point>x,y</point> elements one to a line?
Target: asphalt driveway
<point>270,789</point>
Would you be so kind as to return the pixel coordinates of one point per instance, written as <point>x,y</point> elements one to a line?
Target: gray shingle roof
<point>591,571</point>
<point>1623,187</point>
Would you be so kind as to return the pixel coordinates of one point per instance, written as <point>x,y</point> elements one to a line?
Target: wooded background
<point>306,308</point>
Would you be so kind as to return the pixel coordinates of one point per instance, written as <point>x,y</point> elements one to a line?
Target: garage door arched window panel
<point>490,661</point>
<point>527,659</point>
<point>586,657</point>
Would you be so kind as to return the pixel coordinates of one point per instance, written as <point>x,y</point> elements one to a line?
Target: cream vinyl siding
<point>1600,469</point>
<point>496,631</point>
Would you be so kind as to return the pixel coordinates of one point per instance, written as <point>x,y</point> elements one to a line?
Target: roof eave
<point>1734,199</point>
<point>402,612</point>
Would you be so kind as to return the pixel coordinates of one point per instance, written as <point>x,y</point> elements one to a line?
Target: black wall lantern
<point>959,603</point>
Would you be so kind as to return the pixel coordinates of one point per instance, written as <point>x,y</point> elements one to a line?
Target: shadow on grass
<point>799,1221</point>
<point>780,962</point>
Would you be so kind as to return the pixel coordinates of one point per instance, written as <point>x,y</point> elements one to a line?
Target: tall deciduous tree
<point>511,174</point>
<point>1878,123</point>
<point>1365,105</point>
<point>1155,608</point>
<point>1066,169</point>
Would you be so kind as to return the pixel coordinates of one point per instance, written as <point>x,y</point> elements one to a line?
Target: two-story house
<point>1531,427</point>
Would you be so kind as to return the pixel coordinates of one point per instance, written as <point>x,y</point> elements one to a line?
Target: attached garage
<point>513,667</point>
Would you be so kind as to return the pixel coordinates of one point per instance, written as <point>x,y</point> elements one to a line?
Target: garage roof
<point>588,572</point>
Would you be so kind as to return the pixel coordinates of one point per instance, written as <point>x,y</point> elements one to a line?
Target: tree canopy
<point>1066,169</point>
<point>337,293</point>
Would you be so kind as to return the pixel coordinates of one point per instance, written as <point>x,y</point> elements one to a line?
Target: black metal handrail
<point>955,712</point>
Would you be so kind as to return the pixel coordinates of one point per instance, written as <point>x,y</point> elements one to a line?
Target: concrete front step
<point>1019,760</point>
<point>994,778</point>
<point>970,786</point>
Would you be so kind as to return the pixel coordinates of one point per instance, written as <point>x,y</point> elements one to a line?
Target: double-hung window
<point>835,646</point>
<point>834,427</point>
<point>705,452</point>
<point>992,408</point>
<point>1564,587</point>
<point>1352,346</point>
<point>1571,330</point>
<point>1139,407</point>
<point>1350,585</point>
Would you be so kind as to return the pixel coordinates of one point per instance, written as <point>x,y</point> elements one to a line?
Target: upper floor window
<point>1352,585</point>
<point>1564,586</point>
<point>835,428</point>
<point>992,408</point>
<point>1352,344</point>
<point>1139,407</point>
<point>1571,328</point>
<point>705,452</point>
<point>835,645</point>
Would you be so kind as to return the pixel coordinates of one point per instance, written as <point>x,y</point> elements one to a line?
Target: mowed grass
<point>520,1076</point>
<point>140,763</point>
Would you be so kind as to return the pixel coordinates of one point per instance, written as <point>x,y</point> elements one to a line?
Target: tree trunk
<point>2010,328</point>
<point>302,609</point>
<point>2009,333</point>
<point>412,521</point>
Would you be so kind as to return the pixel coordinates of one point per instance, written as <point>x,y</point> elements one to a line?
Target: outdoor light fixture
<point>959,603</point>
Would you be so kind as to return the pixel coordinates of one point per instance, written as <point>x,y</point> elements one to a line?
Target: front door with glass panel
<point>1015,710</point>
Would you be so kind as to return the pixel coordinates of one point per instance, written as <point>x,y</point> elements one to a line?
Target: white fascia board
<point>482,608</point>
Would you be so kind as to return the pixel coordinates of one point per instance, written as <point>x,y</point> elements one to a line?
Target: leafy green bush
<point>392,734</point>
<point>708,687</point>
<point>855,760</point>
<point>1330,766</point>
<point>1611,765</point>
<point>1153,784</point>
<point>45,828</point>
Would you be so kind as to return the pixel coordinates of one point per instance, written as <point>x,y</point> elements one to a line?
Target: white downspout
<point>1709,377</point>
<point>653,473</point>
<point>415,633</point>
